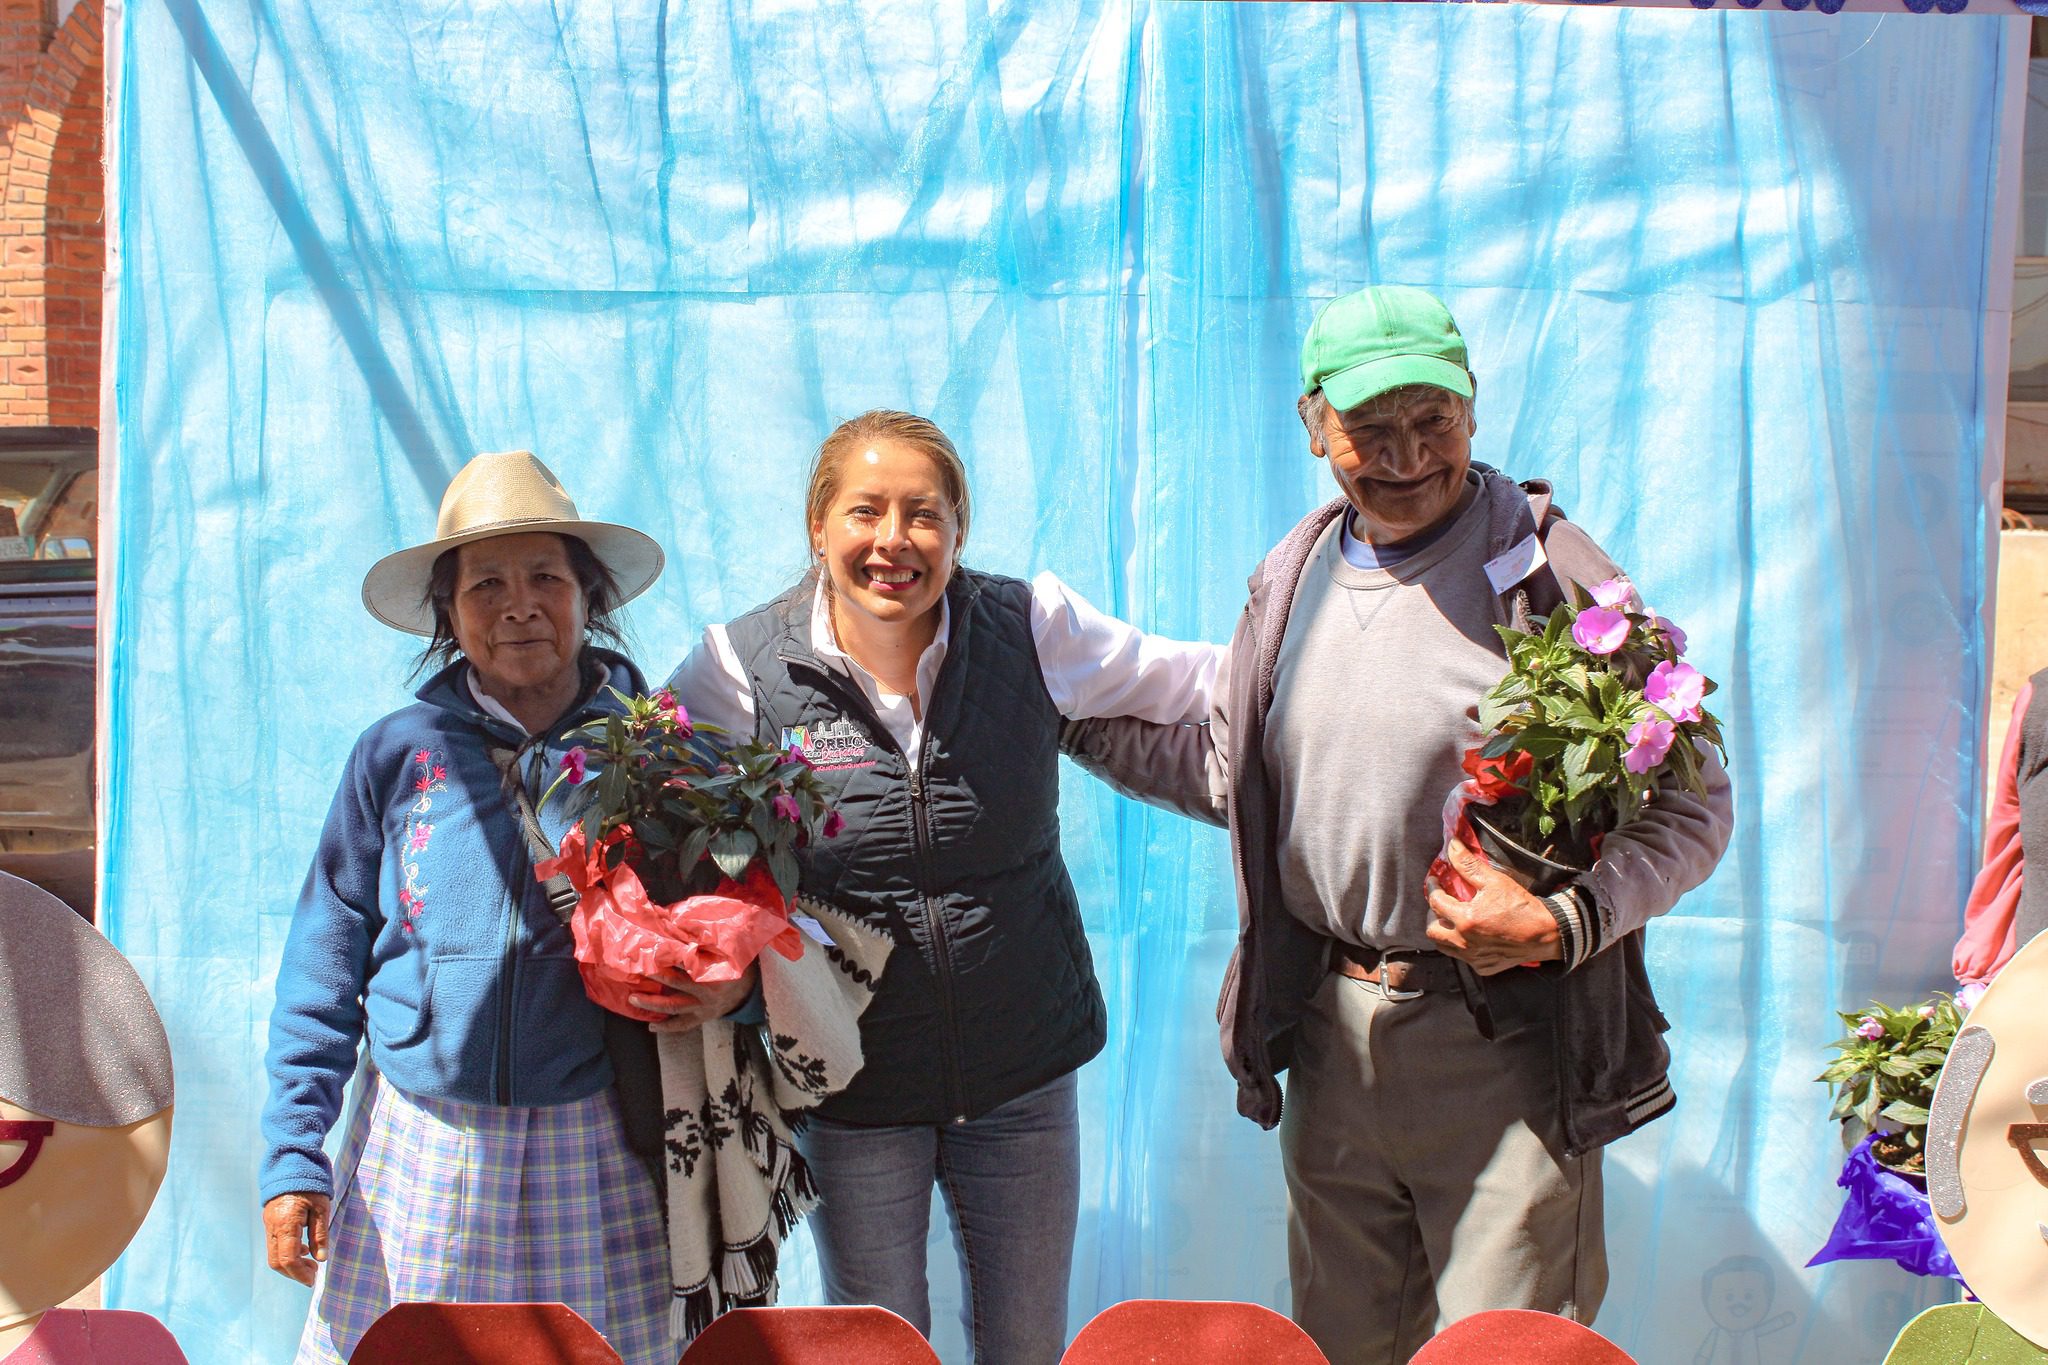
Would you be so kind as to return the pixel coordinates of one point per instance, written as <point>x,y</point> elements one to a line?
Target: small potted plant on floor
<point>1883,1080</point>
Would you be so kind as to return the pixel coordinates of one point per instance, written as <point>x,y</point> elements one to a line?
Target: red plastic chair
<point>1182,1332</point>
<point>1515,1336</point>
<point>482,1334</point>
<point>809,1336</point>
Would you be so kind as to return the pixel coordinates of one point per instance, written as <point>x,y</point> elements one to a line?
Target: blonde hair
<point>860,433</point>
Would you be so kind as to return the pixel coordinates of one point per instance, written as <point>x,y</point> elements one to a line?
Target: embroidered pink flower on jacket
<point>429,777</point>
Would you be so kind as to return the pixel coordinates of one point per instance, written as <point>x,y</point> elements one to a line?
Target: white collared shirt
<point>490,704</point>
<point>1093,665</point>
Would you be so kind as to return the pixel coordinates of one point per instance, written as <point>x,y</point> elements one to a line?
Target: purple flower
<point>1969,995</point>
<point>576,764</point>
<point>1600,630</point>
<point>834,822</point>
<point>1869,1029</point>
<point>1672,633</point>
<point>1614,592</point>
<point>420,835</point>
<point>786,807</point>
<point>1676,690</point>
<point>1648,742</point>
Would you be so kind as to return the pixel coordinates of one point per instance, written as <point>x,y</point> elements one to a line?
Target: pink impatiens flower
<point>796,755</point>
<point>1672,633</point>
<point>1600,630</point>
<point>786,807</point>
<point>1869,1029</point>
<point>1969,995</point>
<point>1614,592</point>
<point>834,822</point>
<point>1676,690</point>
<point>1648,742</point>
<point>678,715</point>
<point>576,763</point>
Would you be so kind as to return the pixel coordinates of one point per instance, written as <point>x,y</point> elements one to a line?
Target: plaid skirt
<point>464,1203</point>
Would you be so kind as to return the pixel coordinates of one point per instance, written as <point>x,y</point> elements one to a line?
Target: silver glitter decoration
<point>1969,1057</point>
<point>80,1041</point>
<point>2037,1093</point>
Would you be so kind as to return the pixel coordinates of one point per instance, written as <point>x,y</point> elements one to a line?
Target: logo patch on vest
<point>829,744</point>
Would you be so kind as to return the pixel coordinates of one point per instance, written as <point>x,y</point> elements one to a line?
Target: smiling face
<point>889,537</point>
<point>1400,458</point>
<point>1737,1299</point>
<point>518,613</point>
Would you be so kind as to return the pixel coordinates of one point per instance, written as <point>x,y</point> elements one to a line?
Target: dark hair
<point>600,603</point>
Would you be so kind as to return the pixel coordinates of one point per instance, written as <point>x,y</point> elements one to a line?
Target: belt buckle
<point>1388,992</point>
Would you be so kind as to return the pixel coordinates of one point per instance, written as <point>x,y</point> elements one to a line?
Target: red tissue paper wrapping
<point>624,937</point>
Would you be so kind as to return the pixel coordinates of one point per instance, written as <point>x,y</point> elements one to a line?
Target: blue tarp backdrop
<point>1724,278</point>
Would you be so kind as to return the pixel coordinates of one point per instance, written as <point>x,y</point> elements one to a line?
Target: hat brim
<point>1365,382</point>
<point>395,588</point>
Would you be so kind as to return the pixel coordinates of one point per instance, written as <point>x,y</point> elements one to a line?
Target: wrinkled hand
<point>1502,926</point>
<point>293,1226</point>
<point>690,1004</point>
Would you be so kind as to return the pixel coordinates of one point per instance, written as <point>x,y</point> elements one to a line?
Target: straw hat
<point>502,493</point>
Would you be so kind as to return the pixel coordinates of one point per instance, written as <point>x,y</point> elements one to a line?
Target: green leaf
<point>695,847</point>
<point>732,850</point>
<point>782,866</point>
<point>1900,1111</point>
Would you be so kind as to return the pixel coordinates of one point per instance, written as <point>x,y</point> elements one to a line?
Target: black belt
<point>1406,971</point>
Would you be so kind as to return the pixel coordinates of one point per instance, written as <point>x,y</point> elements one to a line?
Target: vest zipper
<point>921,834</point>
<point>935,925</point>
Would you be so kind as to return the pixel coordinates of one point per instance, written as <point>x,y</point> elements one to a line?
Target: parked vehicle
<point>49,542</point>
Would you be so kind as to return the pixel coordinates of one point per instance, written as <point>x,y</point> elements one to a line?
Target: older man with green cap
<point>1452,1070</point>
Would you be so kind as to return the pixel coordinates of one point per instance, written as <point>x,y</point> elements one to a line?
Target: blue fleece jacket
<point>421,925</point>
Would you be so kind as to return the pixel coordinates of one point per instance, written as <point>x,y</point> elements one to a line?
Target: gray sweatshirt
<point>1374,703</point>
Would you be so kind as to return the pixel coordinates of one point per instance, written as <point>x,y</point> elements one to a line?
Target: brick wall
<point>52,229</point>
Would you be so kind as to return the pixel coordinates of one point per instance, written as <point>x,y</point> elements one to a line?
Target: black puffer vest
<point>990,991</point>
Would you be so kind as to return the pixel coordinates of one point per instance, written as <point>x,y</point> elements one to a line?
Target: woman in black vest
<point>929,698</point>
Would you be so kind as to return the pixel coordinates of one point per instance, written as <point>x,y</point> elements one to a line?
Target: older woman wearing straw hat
<point>486,1158</point>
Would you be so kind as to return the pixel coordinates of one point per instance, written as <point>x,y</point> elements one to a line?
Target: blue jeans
<point>1012,1182</point>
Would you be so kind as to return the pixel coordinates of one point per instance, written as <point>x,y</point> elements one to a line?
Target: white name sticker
<point>813,928</point>
<point>1521,560</point>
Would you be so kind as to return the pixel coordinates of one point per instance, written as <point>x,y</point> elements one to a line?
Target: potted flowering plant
<point>683,851</point>
<point>1883,1079</point>
<point>1597,704</point>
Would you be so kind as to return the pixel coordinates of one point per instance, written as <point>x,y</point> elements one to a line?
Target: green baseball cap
<point>1363,344</point>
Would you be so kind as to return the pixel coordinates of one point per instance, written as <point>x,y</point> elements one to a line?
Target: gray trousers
<point>1426,1176</point>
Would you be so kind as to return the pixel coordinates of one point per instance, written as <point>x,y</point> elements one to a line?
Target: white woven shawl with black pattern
<point>731,1094</point>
